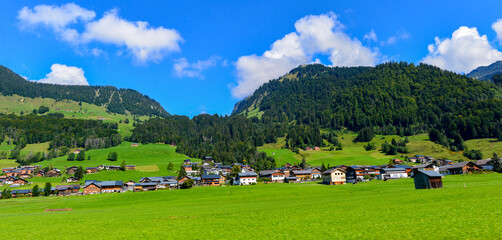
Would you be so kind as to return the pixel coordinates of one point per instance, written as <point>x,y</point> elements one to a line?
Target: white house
<point>334,176</point>
<point>247,178</point>
<point>392,173</point>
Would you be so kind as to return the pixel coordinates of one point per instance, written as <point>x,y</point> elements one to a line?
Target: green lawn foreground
<point>467,207</point>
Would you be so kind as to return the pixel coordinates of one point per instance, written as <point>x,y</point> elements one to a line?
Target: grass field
<point>355,154</point>
<point>16,104</point>
<point>373,210</point>
<point>150,160</point>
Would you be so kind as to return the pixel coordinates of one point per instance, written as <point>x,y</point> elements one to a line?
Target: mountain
<point>486,72</point>
<point>115,100</point>
<point>392,98</point>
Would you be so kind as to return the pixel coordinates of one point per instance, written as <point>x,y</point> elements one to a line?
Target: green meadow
<point>16,104</point>
<point>355,154</point>
<point>468,207</point>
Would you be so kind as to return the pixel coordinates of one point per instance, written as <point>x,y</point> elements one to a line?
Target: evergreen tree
<point>182,173</point>
<point>170,166</point>
<point>323,168</point>
<point>35,191</point>
<point>6,194</point>
<point>123,166</point>
<point>47,189</point>
<point>497,165</point>
<point>81,156</point>
<point>112,156</point>
<point>71,157</point>
<point>79,173</point>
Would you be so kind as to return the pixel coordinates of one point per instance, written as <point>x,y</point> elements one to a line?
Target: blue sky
<point>201,57</point>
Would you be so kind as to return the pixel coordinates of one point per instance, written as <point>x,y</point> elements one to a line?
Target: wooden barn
<point>425,179</point>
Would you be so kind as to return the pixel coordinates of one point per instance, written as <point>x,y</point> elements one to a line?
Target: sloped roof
<point>422,165</point>
<point>394,170</point>
<point>329,171</point>
<point>212,176</point>
<point>247,174</point>
<point>430,173</point>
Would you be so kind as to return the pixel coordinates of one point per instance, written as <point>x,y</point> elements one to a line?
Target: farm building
<point>426,167</point>
<point>67,190</point>
<point>53,173</point>
<point>428,179</point>
<point>334,176</point>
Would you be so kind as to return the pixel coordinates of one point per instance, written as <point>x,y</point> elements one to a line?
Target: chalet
<point>274,175</point>
<point>27,169</point>
<point>211,180</point>
<point>406,167</point>
<point>134,144</point>
<point>444,170</point>
<point>443,162</point>
<point>291,179</point>
<point>464,168</point>
<point>152,179</point>
<point>302,174</point>
<point>71,170</point>
<point>67,190</point>
<point>359,173</point>
<point>91,187</point>
<point>15,180</point>
<point>197,181</point>
<point>129,185</point>
<point>208,159</point>
<point>13,173</point>
<point>315,173</point>
<point>130,167</point>
<point>53,173</point>
<point>317,148</point>
<point>106,186</point>
<point>40,173</point>
<point>422,159</point>
<point>21,193</point>
<point>246,178</point>
<point>308,149</point>
<point>188,168</point>
<point>168,184</point>
<point>90,170</point>
<point>425,179</point>
<point>397,161</point>
<point>24,175</point>
<point>426,167</point>
<point>225,169</point>
<point>2,179</point>
<point>77,151</point>
<point>72,180</point>
<point>334,176</point>
<point>392,173</point>
<point>485,164</point>
<point>146,186</point>
<point>113,168</point>
<point>187,162</point>
<point>8,169</point>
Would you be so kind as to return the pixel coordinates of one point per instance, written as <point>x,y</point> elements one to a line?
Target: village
<point>426,171</point>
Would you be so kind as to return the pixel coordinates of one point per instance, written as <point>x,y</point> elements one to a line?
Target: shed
<point>428,179</point>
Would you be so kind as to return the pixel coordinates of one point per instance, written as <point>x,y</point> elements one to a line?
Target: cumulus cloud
<point>315,34</point>
<point>142,41</point>
<point>145,43</point>
<point>497,27</point>
<point>371,36</point>
<point>182,68</point>
<point>65,75</point>
<point>463,52</point>
<point>57,18</point>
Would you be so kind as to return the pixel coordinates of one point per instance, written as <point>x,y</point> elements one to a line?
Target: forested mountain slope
<point>486,73</point>
<point>392,98</point>
<point>119,101</point>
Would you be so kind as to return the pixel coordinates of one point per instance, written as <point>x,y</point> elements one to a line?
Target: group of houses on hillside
<point>27,172</point>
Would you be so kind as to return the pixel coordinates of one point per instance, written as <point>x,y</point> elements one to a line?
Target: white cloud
<point>315,34</point>
<point>497,27</point>
<point>56,18</point>
<point>145,43</point>
<point>65,75</point>
<point>371,36</point>
<point>400,35</point>
<point>182,68</point>
<point>463,52</point>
